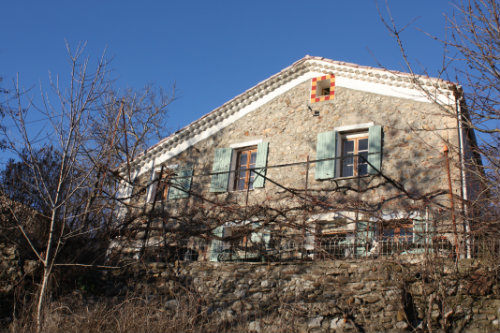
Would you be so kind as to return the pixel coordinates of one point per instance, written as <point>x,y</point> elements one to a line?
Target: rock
<point>371,299</point>
<point>335,323</point>
<point>340,324</point>
<point>401,325</point>
<point>254,327</point>
<point>315,322</point>
<point>171,304</point>
<point>227,316</point>
<point>435,314</point>
<point>237,306</point>
<point>257,296</point>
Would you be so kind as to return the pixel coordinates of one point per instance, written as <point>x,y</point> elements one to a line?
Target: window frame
<point>248,184</point>
<point>356,137</point>
<point>329,150</point>
<point>157,183</point>
<point>224,167</point>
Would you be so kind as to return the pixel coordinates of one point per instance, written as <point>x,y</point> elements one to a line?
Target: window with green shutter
<point>221,169</point>
<point>247,163</point>
<point>365,230</point>
<point>349,153</point>
<point>216,245</point>
<point>374,149</point>
<point>326,149</point>
<point>260,164</point>
<point>180,184</point>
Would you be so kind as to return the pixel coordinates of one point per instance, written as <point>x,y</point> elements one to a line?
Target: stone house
<point>324,159</point>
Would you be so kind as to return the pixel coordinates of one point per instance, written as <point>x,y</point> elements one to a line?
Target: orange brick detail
<point>314,85</point>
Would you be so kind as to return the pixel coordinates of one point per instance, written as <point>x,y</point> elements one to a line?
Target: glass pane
<point>347,170</point>
<point>363,157</point>
<point>348,160</point>
<point>243,158</point>
<point>348,146</point>
<point>388,232</point>
<point>253,158</point>
<point>252,177</point>
<point>363,144</point>
<point>241,184</point>
<point>362,169</point>
<point>243,174</point>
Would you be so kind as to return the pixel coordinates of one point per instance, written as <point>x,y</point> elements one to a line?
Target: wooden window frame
<point>248,182</point>
<point>396,226</point>
<point>161,193</point>
<point>356,138</point>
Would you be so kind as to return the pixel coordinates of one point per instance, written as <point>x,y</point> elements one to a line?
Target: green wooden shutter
<point>220,170</point>
<point>364,236</point>
<point>326,148</point>
<point>422,231</point>
<point>216,244</point>
<point>374,149</point>
<point>431,231</point>
<point>419,231</point>
<point>260,164</point>
<point>180,184</point>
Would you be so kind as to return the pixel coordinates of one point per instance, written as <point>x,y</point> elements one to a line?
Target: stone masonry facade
<point>411,182</point>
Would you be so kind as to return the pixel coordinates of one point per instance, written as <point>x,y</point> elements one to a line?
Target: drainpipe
<point>452,205</point>
<point>458,100</point>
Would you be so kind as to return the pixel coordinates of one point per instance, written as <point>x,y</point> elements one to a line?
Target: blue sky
<point>212,50</point>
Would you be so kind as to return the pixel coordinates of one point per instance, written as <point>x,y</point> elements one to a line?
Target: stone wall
<point>414,136</point>
<point>333,296</point>
<point>13,272</point>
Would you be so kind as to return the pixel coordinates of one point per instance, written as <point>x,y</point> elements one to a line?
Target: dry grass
<point>130,314</point>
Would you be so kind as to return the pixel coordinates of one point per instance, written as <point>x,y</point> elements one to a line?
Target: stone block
<point>315,322</point>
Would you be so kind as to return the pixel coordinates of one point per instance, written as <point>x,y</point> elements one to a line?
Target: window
<point>354,155</point>
<point>396,236</point>
<point>407,235</point>
<point>233,168</point>
<point>170,185</point>
<point>244,169</point>
<point>350,151</point>
<point>400,231</point>
<point>242,241</point>
<point>322,88</point>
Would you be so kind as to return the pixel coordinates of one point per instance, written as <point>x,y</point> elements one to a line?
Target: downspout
<point>458,100</point>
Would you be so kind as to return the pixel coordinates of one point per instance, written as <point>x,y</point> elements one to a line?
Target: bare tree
<point>91,128</point>
<point>471,54</point>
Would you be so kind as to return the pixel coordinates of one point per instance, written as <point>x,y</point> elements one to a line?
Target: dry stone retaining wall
<point>336,296</point>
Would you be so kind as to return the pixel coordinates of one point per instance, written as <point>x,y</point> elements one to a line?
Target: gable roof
<point>364,78</point>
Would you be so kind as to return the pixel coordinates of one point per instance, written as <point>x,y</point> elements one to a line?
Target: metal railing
<point>338,248</point>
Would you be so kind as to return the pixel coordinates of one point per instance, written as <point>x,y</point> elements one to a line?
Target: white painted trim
<point>355,127</point>
<point>330,216</point>
<point>234,158</point>
<point>245,144</point>
<point>151,188</point>
<point>399,215</point>
<point>393,91</point>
